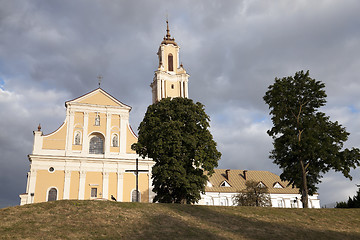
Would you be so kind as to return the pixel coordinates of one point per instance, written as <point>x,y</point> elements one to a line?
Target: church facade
<point>89,157</point>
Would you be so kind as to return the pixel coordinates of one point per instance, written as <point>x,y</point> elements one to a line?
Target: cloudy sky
<point>52,51</point>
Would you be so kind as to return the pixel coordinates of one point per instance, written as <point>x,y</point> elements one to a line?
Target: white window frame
<point>131,196</point>
<point>77,132</point>
<point>97,120</point>
<point>47,193</point>
<point>112,139</point>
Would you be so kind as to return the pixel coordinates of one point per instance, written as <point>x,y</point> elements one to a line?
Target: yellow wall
<point>115,120</point>
<point>93,178</point>
<point>74,185</point>
<point>130,139</point>
<point>56,140</point>
<point>113,185</point>
<point>167,50</point>
<point>78,127</point>
<point>92,127</point>
<point>99,99</point>
<point>172,92</point>
<point>130,184</point>
<point>115,128</point>
<point>79,119</point>
<point>45,180</point>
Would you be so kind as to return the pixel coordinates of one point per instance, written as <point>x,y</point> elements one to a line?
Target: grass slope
<point>110,220</point>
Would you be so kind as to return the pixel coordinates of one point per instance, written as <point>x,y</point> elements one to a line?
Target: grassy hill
<point>111,220</point>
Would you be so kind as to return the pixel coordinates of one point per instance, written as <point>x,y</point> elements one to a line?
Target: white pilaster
<point>186,89</point>
<point>85,143</point>
<point>28,181</point>
<point>162,89</point>
<point>151,193</point>
<point>37,142</point>
<point>67,180</point>
<point>70,133</point>
<point>181,88</point>
<point>108,135</point>
<point>32,186</point>
<point>120,184</point>
<point>177,57</point>
<point>106,185</point>
<point>158,88</point>
<point>82,185</point>
<point>123,123</point>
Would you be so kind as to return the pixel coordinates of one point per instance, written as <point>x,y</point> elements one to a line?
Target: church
<point>89,157</point>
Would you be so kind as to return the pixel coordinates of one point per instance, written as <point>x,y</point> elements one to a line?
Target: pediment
<point>98,97</point>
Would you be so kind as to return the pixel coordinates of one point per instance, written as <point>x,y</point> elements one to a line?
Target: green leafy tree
<point>351,203</point>
<point>255,194</point>
<point>175,134</point>
<point>306,143</point>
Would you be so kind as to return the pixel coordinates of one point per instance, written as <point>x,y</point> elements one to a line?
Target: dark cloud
<point>52,51</point>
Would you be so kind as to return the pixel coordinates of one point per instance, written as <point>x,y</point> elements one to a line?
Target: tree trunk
<point>304,190</point>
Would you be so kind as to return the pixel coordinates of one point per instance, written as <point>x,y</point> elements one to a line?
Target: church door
<point>52,194</point>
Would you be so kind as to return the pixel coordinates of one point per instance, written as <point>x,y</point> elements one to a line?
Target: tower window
<point>96,145</point>
<point>172,86</point>
<point>170,62</point>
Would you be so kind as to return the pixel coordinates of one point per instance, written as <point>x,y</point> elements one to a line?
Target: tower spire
<point>167,30</point>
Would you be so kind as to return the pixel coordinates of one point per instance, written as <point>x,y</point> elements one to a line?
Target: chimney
<point>244,174</point>
<point>227,173</point>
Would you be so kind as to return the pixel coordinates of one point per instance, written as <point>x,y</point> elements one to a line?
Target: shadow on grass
<point>235,226</point>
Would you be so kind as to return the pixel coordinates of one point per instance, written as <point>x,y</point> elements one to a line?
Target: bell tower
<point>171,79</point>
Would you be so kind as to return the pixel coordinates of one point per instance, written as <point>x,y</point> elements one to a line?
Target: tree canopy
<point>353,202</point>
<point>255,194</point>
<point>175,134</point>
<point>306,143</point>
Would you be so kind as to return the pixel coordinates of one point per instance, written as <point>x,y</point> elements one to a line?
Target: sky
<point>53,51</point>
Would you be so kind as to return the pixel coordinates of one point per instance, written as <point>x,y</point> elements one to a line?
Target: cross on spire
<point>99,77</point>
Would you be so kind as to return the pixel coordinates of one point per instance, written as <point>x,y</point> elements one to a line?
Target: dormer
<point>225,184</point>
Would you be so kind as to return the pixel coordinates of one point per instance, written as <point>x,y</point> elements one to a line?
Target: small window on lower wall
<point>133,196</point>
<point>93,192</point>
<point>52,195</point>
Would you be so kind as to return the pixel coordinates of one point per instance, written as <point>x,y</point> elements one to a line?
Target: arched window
<point>115,140</point>
<point>77,138</point>
<point>170,62</point>
<point>96,145</point>
<point>133,196</point>
<point>97,120</point>
<point>52,195</point>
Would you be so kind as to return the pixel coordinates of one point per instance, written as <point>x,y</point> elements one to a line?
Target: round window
<point>51,169</point>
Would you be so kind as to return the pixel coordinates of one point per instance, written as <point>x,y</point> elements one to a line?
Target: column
<point>123,122</point>
<point>120,184</point>
<point>162,89</point>
<point>177,58</point>
<point>67,180</point>
<point>181,88</point>
<point>82,185</point>
<point>85,143</point>
<point>31,193</point>
<point>186,89</point>
<point>69,139</point>
<point>108,135</point>
<point>158,88</point>
<point>105,185</point>
<point>151,193</point>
